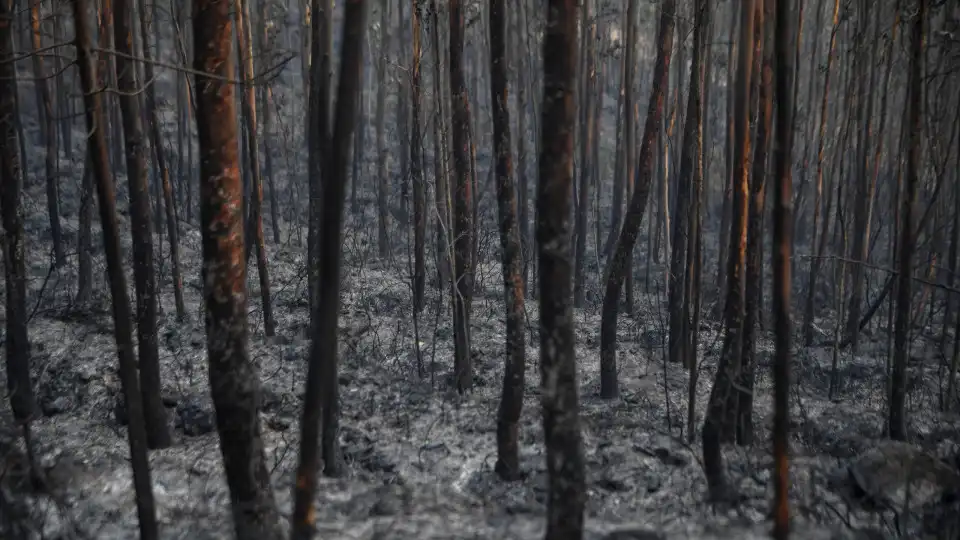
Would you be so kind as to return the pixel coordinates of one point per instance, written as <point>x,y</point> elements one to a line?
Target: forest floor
<point>420,457</point>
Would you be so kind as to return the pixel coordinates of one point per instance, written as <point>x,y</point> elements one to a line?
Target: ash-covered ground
<point>420,457</point>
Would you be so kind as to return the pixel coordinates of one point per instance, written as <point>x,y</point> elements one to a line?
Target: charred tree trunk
<point>156,139</point>
<point>620,265</point>
<point>511,400</point>
<point>49,134</point>
<point>322,390</point>
<point>587,120</point>
<point>780,260</point>
<point>463,207</point>
<point>318,130</point>
<point>416,167</point>
<point>234,383</point>
<point>897,426</point>
<point>145,282</point>
<point>558,371</point>
<point>719,421</point>
<point>383,184</point>
<point>754,271</point>
<point>690,165</point>
<point>19,386</point>
<point>254,228</point>
<point>96,127</point>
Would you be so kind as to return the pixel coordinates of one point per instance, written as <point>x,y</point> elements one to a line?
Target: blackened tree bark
<point>234,382</point>
<point>463,205</point>
<point>566,496</point>
<point>441,179</point>
<point>689,163</point>
<point>254,229</point>
<point>511,401</point>
<point>156,140</point>
<point>19,385</point>
<point>897,425</point>
<point>809,304</point>
<point>780,255</point>
<point>623,254</point>
<point>383,214</point>
<point>322,392</point>
<point>720,416</point>
<point>123,334</point>
<point>84,235</point>
<point>754,283</point>
<point>145,282</point>
<point>49,133</point>
<point>587,120</point>
<point>416,167</point>
<point>318,129</point>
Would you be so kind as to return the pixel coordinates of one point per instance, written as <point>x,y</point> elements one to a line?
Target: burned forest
<point>444,269</point>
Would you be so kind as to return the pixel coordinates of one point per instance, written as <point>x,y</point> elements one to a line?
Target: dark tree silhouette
<point>897,422</point>
<point>123,334</point>
<point>511,401</point>
<point>566,496</point>
<point>145,282</point>
<point>322,392</point>
<point>780,255</point>
<point>234,382</point>
<point>19,385</point>
<point>619,265</point>
<point>463,205</point>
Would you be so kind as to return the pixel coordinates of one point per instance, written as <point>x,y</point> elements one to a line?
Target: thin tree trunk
<point>754,271</point>
<point>383,215</point>
<point>416,168</point>
<point>49,134</point>
<point>145,282</point>
<point>780,260</point>
<point>511,400</point>
<point>19,386</point>
<point>318,128</point>
<point>322,388</point>
<point>719,420</point>
<point>123,334</point>
<point>690,167</point>
<point>620,265</point>
<point>156,139</point>
<point>897,426</point>
<point>254,228</point>
<point>587,120</point>
<point>809,306</point>
<point>463,219</point>
<point>561,423</point>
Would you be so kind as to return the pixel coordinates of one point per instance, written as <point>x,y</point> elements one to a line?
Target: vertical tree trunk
<point>620,265</point>
<point>416,168</point>
<point>267,38</point>
<point>49,134</point>
<point>558,371</point>
<point>463,208</point>
<point>719,421</point>
<point>96,127</point>
<point>19,385</point>
<point>587,120</point>
<point>690,166</point>
<point>318,128</point>
<point>754,271</point>
<point>897,426</point>
<point>383,215</point>
<point>234,382</point>
<point>521,33</point>
<point>780,260</point>
<point>159,154</point>
<point>728,178</point>
<point>255,216</point>
<point>145,283</point>
<point>441,182</point>
<point>322,391</point>
<point>511,400</point>
<point>809,305</point>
